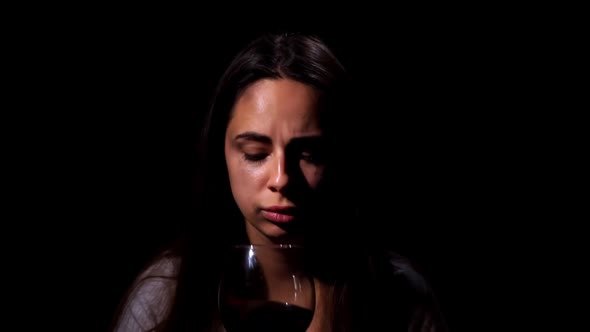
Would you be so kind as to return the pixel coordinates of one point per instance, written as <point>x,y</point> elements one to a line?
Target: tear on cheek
<point>314,178</point>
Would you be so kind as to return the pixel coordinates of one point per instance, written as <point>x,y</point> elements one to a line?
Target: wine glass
<point>265,288</point>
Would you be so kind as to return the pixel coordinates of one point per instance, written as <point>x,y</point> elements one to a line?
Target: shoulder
<point>397,274</point>
<point>150,297</point>
<point>401,269</point>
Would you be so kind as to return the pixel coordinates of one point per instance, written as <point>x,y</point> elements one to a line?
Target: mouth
<point>279,214</point>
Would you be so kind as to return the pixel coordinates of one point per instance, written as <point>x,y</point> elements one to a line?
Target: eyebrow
<point>256,137</point>
<point>252,136</point>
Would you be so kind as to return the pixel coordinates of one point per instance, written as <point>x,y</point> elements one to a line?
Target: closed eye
<point>256,157</point>
<point>312,158</point>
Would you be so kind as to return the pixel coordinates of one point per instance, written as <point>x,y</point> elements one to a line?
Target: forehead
<point>269,105</point>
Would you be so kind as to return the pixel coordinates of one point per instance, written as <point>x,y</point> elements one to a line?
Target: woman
<point>280,164</point>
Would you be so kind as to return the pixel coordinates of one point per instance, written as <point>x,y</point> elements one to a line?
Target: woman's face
<point>274,160</point>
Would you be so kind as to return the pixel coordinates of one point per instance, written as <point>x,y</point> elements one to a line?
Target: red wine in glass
<point>267,317</point>
<point>266,289</point>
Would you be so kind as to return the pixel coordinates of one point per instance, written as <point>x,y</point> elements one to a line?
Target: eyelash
<point>309,158</point>
<point>255,158</point>
<point>259,157</point>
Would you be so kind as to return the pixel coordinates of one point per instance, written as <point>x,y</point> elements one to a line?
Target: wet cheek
<point>313,176</point>
<point>244,183</point>
<point>251,175</point>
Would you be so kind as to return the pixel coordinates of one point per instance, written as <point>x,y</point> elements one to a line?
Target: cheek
<point>244,177</point>
<point>313,175</point>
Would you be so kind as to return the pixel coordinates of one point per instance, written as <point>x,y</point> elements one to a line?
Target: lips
<point>279,214</point>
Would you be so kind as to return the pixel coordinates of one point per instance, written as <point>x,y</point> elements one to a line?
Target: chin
<point>267,231</point>
<point>274,231</point>
<point>277,235</point>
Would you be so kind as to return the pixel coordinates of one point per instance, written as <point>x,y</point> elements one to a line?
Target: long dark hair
<point>369,288</point>
<point>218,222</point>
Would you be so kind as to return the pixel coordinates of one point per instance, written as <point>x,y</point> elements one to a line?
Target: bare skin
<point>265,172</point>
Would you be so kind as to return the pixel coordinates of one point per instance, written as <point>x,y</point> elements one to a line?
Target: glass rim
<point>267,245</point>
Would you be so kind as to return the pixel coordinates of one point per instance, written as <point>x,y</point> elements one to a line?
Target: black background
<point>116,99</point>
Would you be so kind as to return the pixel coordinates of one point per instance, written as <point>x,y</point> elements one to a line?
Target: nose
<point>279,178</point>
